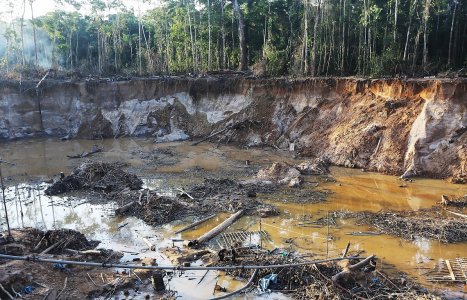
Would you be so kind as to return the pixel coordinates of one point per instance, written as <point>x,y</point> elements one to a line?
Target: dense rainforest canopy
<point>270,37</point>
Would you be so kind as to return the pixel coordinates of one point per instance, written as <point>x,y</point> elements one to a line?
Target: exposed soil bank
<point>411,127</point>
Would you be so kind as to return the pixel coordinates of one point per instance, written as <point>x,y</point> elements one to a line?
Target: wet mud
<point>222,180</point>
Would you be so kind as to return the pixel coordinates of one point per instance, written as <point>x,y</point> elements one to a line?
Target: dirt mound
<point>281,173</point>
<point>155,210</point>
<point>430,224</point>
<point>101,176</point>
<point>318,166</point>
<point>62,238</point>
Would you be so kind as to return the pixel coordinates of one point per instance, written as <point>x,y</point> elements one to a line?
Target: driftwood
<point>150,245</point>
<point>6,292</point>
<point>122,210</point>
<point>64,287</point>
<point>185,193</point>
<point>194,224</point>
<point>39,244</point>
<point>85,154</point>
<point>216,230</point>
<point>456,214</point>
<point>85,252</point>
<point>51,248</point>
<point>352,268</point>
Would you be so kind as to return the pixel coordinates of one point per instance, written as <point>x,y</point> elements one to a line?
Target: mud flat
<point>222,179</point>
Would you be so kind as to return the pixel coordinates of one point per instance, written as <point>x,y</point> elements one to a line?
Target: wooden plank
<point>448,264</point>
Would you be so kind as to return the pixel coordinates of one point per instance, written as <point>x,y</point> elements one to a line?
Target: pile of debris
<point>285,174</point>
<point>281,173</point>
<point>318,166</point>
<point>28,280</point>
<point>31,240</point>
<point>107,177</point>
<point>329,280</point>
<point>429,223</point>
<point>460,202</point>
<point>152,208</point>
<point>221,195</point>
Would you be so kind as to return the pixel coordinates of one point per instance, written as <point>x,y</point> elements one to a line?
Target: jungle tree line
<point>275,37</point>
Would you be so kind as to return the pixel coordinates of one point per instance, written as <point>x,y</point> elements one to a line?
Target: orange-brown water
<point>354,191</point>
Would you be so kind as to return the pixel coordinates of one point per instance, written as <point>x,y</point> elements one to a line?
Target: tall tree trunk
<point>140,68</point>
<point>22,34</point>
<point>223,34</point>
<point>450,33</point>
<point>305,39</point>
<point>34,33</point>
<point>426,15</point>
<point>412,8</point>
<point>209,36</point>
<point>395,19</point>
<point>314,48</point>
<point>243,64</point>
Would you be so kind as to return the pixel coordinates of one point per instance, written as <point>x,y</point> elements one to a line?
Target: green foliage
<point>349,37</point>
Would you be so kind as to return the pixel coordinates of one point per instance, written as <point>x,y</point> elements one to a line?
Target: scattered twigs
<point>6,292</point>
<point>203,277</point>
<point>239,290</point>
<point>63,289</point>
<point>89,276</point>
<point>195,224</point>
<point>85,154</point>
<point>185,193</point>
<point>344,254</point>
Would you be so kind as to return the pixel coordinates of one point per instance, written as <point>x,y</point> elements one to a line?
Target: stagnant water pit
<point>316,221</point>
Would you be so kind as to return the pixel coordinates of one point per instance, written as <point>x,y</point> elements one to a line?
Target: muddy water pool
<point>182,165</point>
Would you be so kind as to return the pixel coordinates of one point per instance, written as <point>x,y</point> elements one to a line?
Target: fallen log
<point>85,252</point>
<point>150,245</point>
<point>122,210</point>
<point>51,248</point>
<point>216,230</point>
<point>352,268</point>
<point>85,154</point>
<point>195,224</point>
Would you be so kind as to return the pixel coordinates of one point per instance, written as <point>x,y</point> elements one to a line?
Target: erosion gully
<point>38,160</point>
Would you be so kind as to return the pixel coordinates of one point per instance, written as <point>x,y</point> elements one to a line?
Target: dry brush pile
<point>315,281</point>
<point>429,223</point>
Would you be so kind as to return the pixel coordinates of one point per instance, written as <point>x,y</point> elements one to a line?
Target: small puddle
<point>354,191</point>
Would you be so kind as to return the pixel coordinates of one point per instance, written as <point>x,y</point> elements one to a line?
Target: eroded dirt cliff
<point>410,127</point>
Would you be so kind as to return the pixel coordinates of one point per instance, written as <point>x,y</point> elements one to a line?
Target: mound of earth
<point>281,173</point>
<point>108,177</point>
<point>318,166</point>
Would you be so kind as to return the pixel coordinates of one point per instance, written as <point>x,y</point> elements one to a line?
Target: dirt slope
<point>410,127</point>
